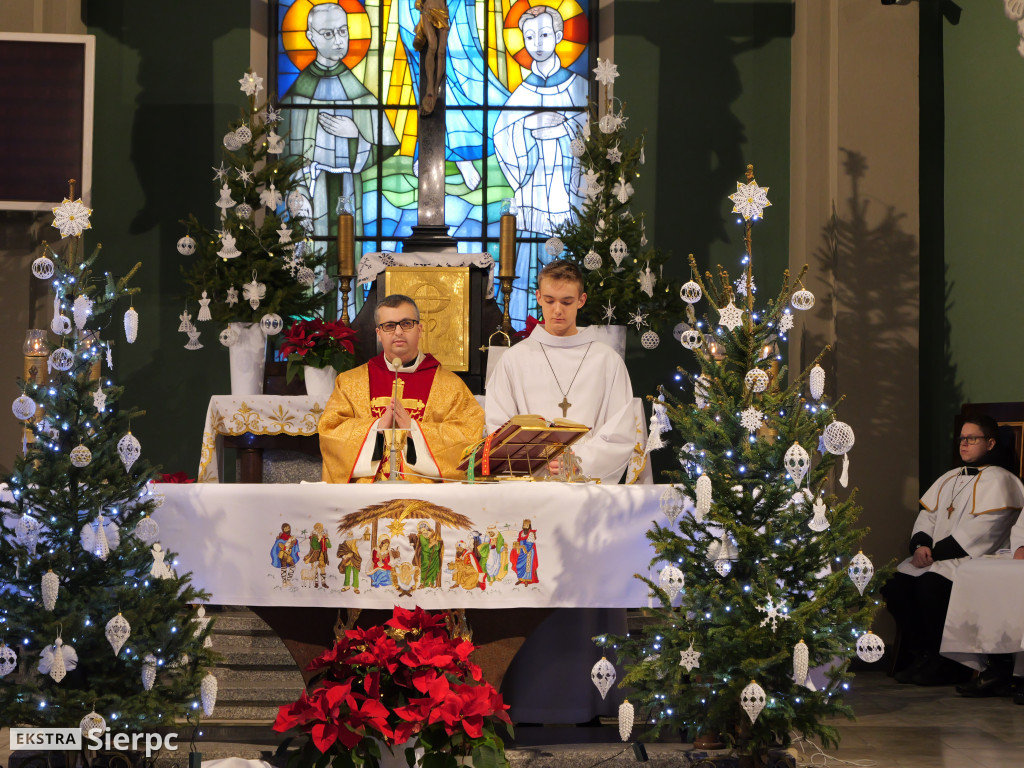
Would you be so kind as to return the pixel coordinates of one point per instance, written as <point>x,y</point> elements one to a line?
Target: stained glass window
<point>516,85</point>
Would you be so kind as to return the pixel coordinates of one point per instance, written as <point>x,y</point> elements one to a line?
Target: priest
<point>401,391</point>
<point>968,512</point>
<point>562,371</point>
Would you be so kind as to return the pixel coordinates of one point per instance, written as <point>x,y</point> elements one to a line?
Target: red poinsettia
<point>408,680</point>
<point>176,477</point>
<point>319,344</point>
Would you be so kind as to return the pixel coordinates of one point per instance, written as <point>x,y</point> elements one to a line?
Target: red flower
<point>177,477</point>
<point>531,323</point>
<point>415,619</point>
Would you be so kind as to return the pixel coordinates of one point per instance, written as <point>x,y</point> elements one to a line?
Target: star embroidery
<point>751,419</point>
<point>689,658</point>
<point>786,322</point>
<point>638,319</point>
<point>614,154</point>
<point>730,316</point>
<point>773,613</point>
<point>219,174</point>
<point>609,312</point>
<point>99,400</point>
<point>244,175</point>
<point>250,83</point>
<point>271,116</point>
<point>397,529</point>
<point>741,285</point>
<point>232,298</point>
<point>749,200</point>
<point>71,217</point>
<point>605,72</point>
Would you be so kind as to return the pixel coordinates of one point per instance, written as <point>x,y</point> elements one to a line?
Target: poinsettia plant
<point>408,683</point>
<point>319,344</point>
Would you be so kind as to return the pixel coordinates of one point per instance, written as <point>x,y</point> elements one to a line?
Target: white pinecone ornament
<point>603,676</point>
<point>50,587</point>
<point>703,497</point>
<point>817,382</point>
<point>131,325</point>
<point>801,662</point>
<point>208,693</point>
<point>117,632</point>
<point>149,672</point>
<point>626,716</point>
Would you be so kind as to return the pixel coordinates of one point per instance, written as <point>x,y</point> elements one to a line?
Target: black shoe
<point>907,674</point>
<point>989,682</point>
<point>939,670</point>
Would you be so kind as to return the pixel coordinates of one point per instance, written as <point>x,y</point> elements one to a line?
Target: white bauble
<point>838,438</point>
<point>231,141</point>
<point>802,299</point>
<point>26,531</point>
<point>81,456</point>
<point>228,336</point>
<point>186,245</point>
<point>93,722</point>
<point>208,693</point>
<point>24,407</point>
<point>271,324</point>
<point>146,530</point>
<point>50,586</point>
<point>690,292</point>
<point>129,449</point>
<point>117,632</point>
<point>61,359</point>
<point>673,503</point>
<point>305,276</point>
<point>554,246</point>
<point>703,496</point>
<point>592,260</point>
<point>149,671</point>
<point>860,571</point>
<point>650,340</point>
<point>691,339</point>
<point>42,268</point>
<point>797,462</point>
<point>603,676</point>
<point>756,380</point>
<point>243,134</point>
<point>870,647</point>
<point>8,660</point>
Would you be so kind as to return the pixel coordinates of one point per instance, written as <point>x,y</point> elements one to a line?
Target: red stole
<point>413,388</point>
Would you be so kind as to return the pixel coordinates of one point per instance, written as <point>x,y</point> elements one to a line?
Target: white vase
<point>397,760</point>
<point>612,335</point>
<point>248,356</point>
<point>319,382</point>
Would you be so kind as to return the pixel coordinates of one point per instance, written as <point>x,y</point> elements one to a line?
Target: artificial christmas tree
<point>625,279</point>
<point>84,603</point>
<point>765,590</point>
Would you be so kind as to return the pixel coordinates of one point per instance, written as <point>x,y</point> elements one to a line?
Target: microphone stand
<point>393,451</point>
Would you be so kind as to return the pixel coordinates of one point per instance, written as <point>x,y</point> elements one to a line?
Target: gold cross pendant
<point>565,405</point>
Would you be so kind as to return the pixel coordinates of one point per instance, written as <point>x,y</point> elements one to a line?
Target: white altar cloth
<point>588,541</point>
<point>986,611</point>
<point>372,264</point>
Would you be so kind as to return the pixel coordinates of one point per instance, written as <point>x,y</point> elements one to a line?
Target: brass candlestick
<point>507,263</point>
<point>344,286</point>
<point>506,292</point>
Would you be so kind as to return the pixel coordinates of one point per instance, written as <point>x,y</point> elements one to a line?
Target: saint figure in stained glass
<point>337,138</point>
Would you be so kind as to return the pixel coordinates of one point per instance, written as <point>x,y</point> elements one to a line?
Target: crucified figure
<point>432,43</point>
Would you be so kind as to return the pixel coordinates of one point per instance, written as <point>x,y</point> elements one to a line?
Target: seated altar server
<point>968,512</point>
<point>434,414</point>
<point>562,371</point>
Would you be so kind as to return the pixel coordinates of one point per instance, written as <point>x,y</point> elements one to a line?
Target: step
<point>257,695</point>
<point>239,732</point>
<point>246,712</point>
<point>272,677</point>
<point>238,622</point>
<point>224,643</point>
<point>256,657</point>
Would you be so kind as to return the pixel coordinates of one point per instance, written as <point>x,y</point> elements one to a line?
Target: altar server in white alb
<point>562,371</point>
<point>968,512</point>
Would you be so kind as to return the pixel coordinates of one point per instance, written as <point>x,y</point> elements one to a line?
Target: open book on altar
<point>520,447</point>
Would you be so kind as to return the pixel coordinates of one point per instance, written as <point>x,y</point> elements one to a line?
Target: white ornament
<point>201,622</point>
<point>131,325</point>
<point>838,437</point>
<point>305,276</point>
<point>722,548</point>
<point>730,316</point>
<point>225,201</point>
<point>204,309</point>
<point>703,497</point>
<point>592,260</point>
<point>146,530</point>
<point>271,324</point>
<point>701,387</point>
<point>298,205</point>
<point>100,537</point>
<point>605,72</point>
<point>71,217</point>
<point>186,322</point>
<point>647,280</point>
<point>148,671</point>
<point>690,658</point>
<point>577,147</point>
<point>625,719</point>
<point>82,309</point>
<point>609,312</point>
<point>672,503</point>
<point>24,407</point>
<point>160,569</point>
<point>110,357</point>
<point>61,323</point>
<point>752,699</point>
<point>819,522</point>
<point>801,662</point>
<point>92,723</point>
<point>786,321</point>
<point>861,570</point>
<point>227,248</point>
<point>650,340</point>
<point>232,296</point>
<point>42,268</point>
<point>797,462</point>
<point>554,246</point>
<point>129,449</point>
<point>638,318</point>
<point>749,200</point>
<point>231,141</point>
<point>741,285</point>
<point>622,190</point>
<point>802,299</point>
<point>117,632</point>
<point>691,338</point>
<point>618,250</point>
<point>187,245</point>
<point>228,336</point>
<point>193,340</point>
<point>251,84</point>
<point>609,124</point>
<point>50,587</point>
<point>772,613</point>
<point>671,580</point>
<point>254,291</point>
<point>756,380</point>
<point>81,456</point>
<point>751,419</point>
<point>208,693</point>
<point>243,210</point>
<point>870,647</point>
<point>817,382</point>
<point>8,660</point>
<point>26,531</point>
<point>603,676</point>
<point>243,134</point>
<point>270,197</point>
<point>275,143</point>
<point>690,292</point>
<point>57,660</point>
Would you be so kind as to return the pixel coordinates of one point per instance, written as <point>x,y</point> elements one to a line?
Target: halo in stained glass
<point>575,32</point>
<point>301,51</point>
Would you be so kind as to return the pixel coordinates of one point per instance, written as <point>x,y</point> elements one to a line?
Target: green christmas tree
<point>625,278</point>
<point>258,262</point>
<point>766,557</point>
<point>78,551</point>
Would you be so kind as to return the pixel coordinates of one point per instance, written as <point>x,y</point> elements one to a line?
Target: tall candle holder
<point>35,349</point>
<point>507,259</point>
<point>346,252</point>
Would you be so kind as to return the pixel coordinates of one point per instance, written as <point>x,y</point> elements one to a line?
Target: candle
<point>36,351</point>
<point>507,246</point>
<point>346,244</point>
